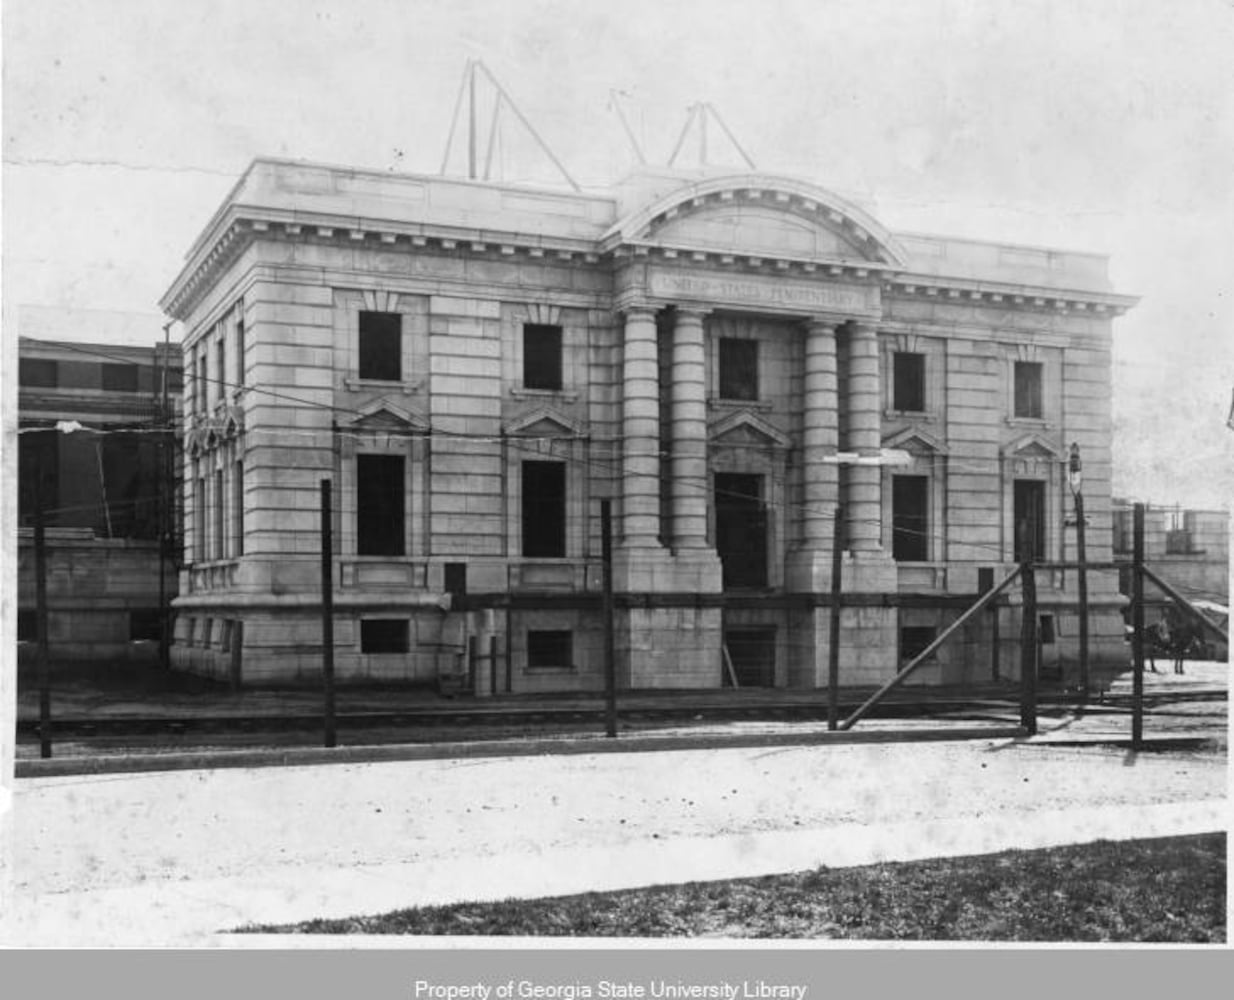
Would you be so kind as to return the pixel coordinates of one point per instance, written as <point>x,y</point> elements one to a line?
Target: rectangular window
<point>380,505</point>
<point>456,578</point>
<point>741,529</point>
<point>1028,399</point>
<point>381,346</point>
<point>145,625</point>
<point>913,641</point>
<point>38,373</point>
<point>544,509</point>
<point>240,352</point>
<point>199,520</point>
<point>383,635</point>
<point>541,356</point>
<point>27,625</point>
<point>237,508</point>
<point>752,655</point>
<point>908,377</point>
<point>910,522</point>
<point>220,551</point>
<point>550,649</point>
<point>220,363</point>
<point>738,368</point>
<point>38,474</point>
<point>203,378</point>
<point>119,378</point>
<point>1029,519</point>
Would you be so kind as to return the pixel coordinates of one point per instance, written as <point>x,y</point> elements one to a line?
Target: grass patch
<point>1171,889</point>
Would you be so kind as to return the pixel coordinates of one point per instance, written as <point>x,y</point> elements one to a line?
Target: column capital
<point>863,327</point>
<point>692,314</point>
<point>822,324</point>
<point>638,310</point>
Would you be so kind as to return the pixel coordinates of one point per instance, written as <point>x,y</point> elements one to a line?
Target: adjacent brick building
<point>91,432</point>
<point>475,366</point>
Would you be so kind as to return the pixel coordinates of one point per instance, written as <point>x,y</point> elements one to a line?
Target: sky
<point>1099,125</point>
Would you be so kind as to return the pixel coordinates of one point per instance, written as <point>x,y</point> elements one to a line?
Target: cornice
<point>1007,295</point>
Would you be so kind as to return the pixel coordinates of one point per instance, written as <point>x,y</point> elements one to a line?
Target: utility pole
<point>1028,634</point>
<point>327,612</point>
<point>1137,628</point>
<point>40,603</point>
<point>610,653</point>
<point>833,632</point>
<point>1075,480</point>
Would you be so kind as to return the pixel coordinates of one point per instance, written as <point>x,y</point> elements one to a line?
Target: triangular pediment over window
<point>746,428</point>
<point>915,441</point>
<point>543,422</point>
<point>382,415</point>
<point>1032,446</point>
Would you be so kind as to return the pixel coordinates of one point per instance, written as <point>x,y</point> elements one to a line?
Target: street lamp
<point>1074,480</point>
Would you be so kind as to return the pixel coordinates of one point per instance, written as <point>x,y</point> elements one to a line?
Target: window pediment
<point>915,441</point>
<point>1032,447</point>
<point>382,415</point>
<point>746,428</point>
<point>543,422</point>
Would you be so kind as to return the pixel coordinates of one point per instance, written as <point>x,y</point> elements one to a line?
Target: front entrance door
<point>741,529</point>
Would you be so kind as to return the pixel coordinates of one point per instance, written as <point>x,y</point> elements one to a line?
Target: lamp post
<point>1074,480</point>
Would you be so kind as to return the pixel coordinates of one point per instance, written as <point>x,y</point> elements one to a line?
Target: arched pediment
<point>757,213</point>
<point>746,428</point>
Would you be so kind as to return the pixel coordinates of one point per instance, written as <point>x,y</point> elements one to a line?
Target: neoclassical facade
<point>731,359</point>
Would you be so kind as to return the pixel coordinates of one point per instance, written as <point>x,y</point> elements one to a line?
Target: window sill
<point>918,416</point>
<point>551,670</point>
<point>761,405</point>
<point>353,384</point>
<point>561,395</point>
<point>1040,422</point>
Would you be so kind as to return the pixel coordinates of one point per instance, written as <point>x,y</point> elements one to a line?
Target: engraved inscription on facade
<point>753,290</point>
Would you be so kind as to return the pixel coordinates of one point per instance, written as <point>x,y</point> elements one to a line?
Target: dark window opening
<point>146,625</point>
<point>741,529</point>
<point>199,520</point>
<point>1028,399</point>
<point>913,641</point>
<point>1029,519</point>
<point>381,346</point>
<point>383,635</point>
<point>456,578</point>
<point>1047,630</point>
<point>239,352</point>
<point>220,551</point>
<point>541,356</point>
<point>738,368</point>
<point>27,626</point>
<point>752,654</point>
<point>544,509</point>
<point>130,475</point>
<point>203,378</point>
<point>908,377</point>
<point>550,649</point>
<point>1122,532</point>
<point>38,373</point>
<point>380,505</point>
<point>38,474</point>
<point>220,362</point>
<point>119,378</point>
<point>910,523</point>
<point>237,508</point>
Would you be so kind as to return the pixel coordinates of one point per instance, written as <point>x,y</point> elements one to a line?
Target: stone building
<point>474,366</point>
<point>1189,549</point>
<point>89,419</point>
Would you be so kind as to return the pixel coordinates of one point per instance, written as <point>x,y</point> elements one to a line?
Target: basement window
<point>913,641</point>
<point>550,649</point>
<point>381,346</point>
<point>145,625</point>
<point>383,635</point>
<point>738,368</point>
<point>541,356</point>
<point>908,378</point>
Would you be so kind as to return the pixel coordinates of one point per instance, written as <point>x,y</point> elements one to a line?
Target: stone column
<point>820,436</point>
<point>689,423</point>
<point>640,431</point>
<point>863,495</point>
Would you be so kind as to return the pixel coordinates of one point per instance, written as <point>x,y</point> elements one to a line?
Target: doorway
<point>741,530</point>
